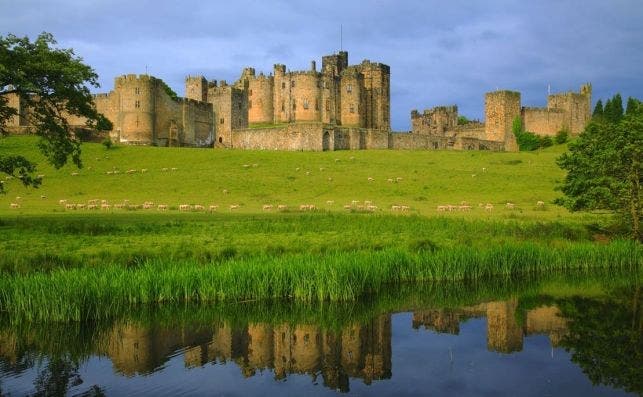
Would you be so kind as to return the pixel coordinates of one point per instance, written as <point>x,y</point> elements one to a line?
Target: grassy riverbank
<point>96,293</point>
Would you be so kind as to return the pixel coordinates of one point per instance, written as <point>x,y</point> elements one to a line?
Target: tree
<point>604,169</point>
<point>632,104</point>
<point>53,84</point>
<point>598,109</point>
<point>613,111</point>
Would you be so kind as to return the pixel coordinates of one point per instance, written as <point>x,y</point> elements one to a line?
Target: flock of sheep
<point>353,206</point>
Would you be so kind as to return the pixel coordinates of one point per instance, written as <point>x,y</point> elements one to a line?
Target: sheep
<point>14,205</point>
<point>307,172</point>
<point>40,176</point>
<point>185,207</point>
<point>464,208</point>
<point>267,207</point>
<point>173,169</point>
<point>354,202</point>
<point>143,170</point>
<point>246,166</point>
<point>62,201</point>
<point>330,179</point>
<point>390,180</point>
<point>147,206</point>
<point>75,174</point>
<point>234,207</point>
<point>8,177</point>
<point>116,172</point>
<point>540,203</point>
<point>510,206</point>
<point>367,202</point>
<point>321,169</point>
<point>18,198</point>
<point>371,208</point>
<point>395,208</point>
<point>164,169</point>
<point>473,175</point>
<point>118,206</point>
<point>161,207</point>
<point>370,179</point>
<point>352,158</point>
<point>42,196</point>
<point>337,160</point>
<point>80,206</point>
<point>109,172</point>
<point>70,206</point>
<point>404,208</point>
<point>199,207</point>
<point>348,207</point>
<point>441,208</point>
<point>92,206</point>
<point>225,191</point>
<point>488,207</point>
<point>398,179</point>
<point>330,202</point>
<point>213,208</point>
<point>484,169</point>
<point>105,206</point>
<point>297,169</point>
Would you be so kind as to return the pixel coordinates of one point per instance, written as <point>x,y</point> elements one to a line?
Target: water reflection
<point>335,354</point>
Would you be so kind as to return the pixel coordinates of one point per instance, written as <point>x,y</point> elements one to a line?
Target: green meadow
<point>81,264</point>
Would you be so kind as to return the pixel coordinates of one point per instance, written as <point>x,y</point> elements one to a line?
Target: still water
<point>555,339</point>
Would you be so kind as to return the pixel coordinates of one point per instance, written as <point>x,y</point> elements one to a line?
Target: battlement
<point>135,77</point>
<point>303,73</point>
<point>279,68</point>
<point>375,65</point>
<point>539,109</point>
<point>101,95</point>
<point>504,93</point>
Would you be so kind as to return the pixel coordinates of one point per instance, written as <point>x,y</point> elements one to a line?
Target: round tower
<point>137,108</point>
<point>260,99</point>
<point>306,96</point>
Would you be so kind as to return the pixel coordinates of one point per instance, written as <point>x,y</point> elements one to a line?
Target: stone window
<point>220,140</point>
<point>294,105</point>
<point>283,85</point>
<point>292,83</point>
<point>328,105</point>
<point>305,103</point>
<point>137,104</point>
<point>352,108</point>
<point>137,90</point>
<point>249,104</point>
<point>316,104</point>
<point>250,93</point>
<point>349,88</point>
<point>283,106</point>
<point>221,120</point>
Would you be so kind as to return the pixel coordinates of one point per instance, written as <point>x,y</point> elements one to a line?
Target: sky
<point>440,52</point>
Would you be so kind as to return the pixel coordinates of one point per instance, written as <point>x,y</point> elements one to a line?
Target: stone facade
<point>339,107</point>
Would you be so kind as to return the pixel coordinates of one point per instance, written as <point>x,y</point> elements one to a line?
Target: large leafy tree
<point>53,84</point>
<point>604,168</point>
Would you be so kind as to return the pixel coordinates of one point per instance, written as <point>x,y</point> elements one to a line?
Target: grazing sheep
<point>484,169</point>
<point>234,207</point>
<point>395,208</point>
<point>70,206</point>
<point>42,196</point>
<point>105,206</point>
<point>75,174</point>
<point>185,207</point>
<point>510,206</point>
<point>540,203</point>
<point>352,158</point>
<point>464,208</point>
<point>441,208</point>
<point>371,208</point>
<point>80,206</point>
<point>161,207</point>
<point>330,202</point>
<point>390,180</point>
<point>213,208</point>
<point>246,166</point>
<point>370,179</point>
<point>164,169</point>
<point>488,207</point>
<point>307,172</point>
<point>92,207</point>
<point>199,207</point>
<point>267,207</point>
<point>398,179</point>
<point>348,207</point>
<point>404,208</point>
<point>18,198</point>
<point>144,170</point>
<point>14,205</point>
<point>62,201</point>
<point>297,169</point>
<point>110,172</point>
<point>225,191</point>
<point>173,168</point>
<point>330,179</point>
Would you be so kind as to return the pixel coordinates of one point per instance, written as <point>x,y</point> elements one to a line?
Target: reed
<point>82,294</point>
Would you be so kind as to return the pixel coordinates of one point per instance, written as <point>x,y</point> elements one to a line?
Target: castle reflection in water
<point>358,351</point>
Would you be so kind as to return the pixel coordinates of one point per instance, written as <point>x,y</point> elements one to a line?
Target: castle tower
<point>137,108</point>
<point>306,348</point>
<point>501,108</point>
<point>352,106</point>
<point>281,95</point>
<point>305,95</point>
<point>260,99</point>
<point>377,95</point>
<point>196,87</point>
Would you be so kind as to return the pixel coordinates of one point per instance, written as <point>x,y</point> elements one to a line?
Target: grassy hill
<point>422,180</point>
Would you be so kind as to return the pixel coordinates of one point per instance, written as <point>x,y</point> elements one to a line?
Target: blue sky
<point>440,52</point>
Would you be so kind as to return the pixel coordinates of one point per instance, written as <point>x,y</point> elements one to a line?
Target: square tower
<point>501,108</point>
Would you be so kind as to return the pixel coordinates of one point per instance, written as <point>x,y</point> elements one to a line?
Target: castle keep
<point>339,107</point>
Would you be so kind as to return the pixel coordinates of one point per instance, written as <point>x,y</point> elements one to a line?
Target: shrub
<point>107,142</point>
<point>546,141</point>
<point>562,136</point>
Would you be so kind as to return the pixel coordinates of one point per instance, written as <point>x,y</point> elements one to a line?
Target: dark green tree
<point>598,109</point>
<point>53,84</point>
<point>613,111</point>
<point>604,169</point>
<point>632,105</point>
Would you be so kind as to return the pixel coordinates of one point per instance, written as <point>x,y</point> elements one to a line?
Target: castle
<point>341,106</point>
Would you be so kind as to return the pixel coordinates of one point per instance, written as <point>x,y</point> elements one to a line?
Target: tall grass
<point>82,294</point>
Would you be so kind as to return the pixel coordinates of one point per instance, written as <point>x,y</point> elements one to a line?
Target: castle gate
<point>326,141</point>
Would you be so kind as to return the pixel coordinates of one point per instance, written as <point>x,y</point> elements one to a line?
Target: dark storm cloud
<point>439,53</point>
